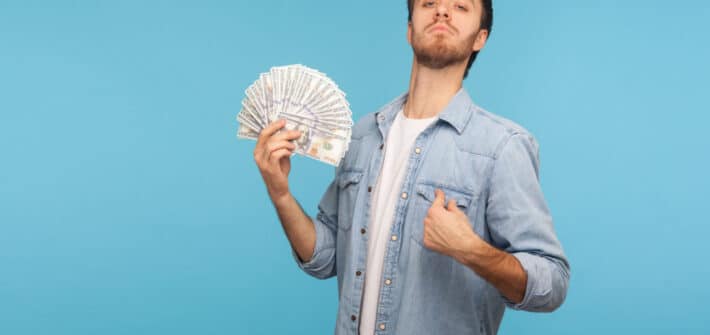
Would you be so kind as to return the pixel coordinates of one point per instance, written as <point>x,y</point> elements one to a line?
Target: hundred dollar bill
<point>247,133</point>
<point>319,144</point>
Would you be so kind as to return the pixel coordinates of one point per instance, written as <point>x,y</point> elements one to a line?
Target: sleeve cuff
<point>323,252</point>
<point>538,282</point>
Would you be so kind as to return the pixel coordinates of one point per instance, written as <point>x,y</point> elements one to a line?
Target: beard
<point>439,54</point>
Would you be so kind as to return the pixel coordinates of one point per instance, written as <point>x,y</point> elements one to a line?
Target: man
<point>435,220</point>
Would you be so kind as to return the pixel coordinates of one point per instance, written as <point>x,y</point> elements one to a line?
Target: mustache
<point>443,23</point>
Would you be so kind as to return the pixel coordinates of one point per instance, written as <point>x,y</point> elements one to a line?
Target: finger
<point>452,205</point>
<point>439,199</point>
<point>276,156</point>
<point>269,130</point>
<point>272,146</point>
<point>286,135</point>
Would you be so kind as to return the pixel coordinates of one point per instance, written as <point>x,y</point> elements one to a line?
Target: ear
<point>409,32</point>
<point>481,38</point>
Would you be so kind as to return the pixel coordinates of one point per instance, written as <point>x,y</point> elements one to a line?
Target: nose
<point>442,11</point>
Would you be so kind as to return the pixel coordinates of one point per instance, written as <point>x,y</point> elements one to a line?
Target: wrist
<point>280,199</point>
<point>473,252</point>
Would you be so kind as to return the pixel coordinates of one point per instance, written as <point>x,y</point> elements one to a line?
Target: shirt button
<point>418,150</point>
<point>369,189</point>
<point>382,326</point>
<point>404,195</point>
<point>353,317</point>
<point>358,273</point>
<point>382,146</point>
<point>387,282</point>
<point>362,231</point>
<point>394,237</point>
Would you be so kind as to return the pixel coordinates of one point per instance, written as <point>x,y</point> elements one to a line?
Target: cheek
<point>467,24</point>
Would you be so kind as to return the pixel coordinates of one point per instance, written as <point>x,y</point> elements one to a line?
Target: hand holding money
<point>309,102</point>
<point>272,155</point>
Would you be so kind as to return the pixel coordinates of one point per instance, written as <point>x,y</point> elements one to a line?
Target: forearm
<point>297,225</point>
<point>499,268</point>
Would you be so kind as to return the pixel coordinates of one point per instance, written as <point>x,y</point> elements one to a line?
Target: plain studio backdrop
<point>128,206</point>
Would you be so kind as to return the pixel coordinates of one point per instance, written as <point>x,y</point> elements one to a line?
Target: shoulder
<point>361,133</point>
<point>364,126</point>
<point>488,133</point>
<point>367,125</point>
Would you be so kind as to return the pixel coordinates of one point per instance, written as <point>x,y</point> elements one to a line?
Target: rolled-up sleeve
<point>322,263</point>
<point>520,224</point>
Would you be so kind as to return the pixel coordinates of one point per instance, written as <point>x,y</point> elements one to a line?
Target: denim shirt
<point>489,165</point>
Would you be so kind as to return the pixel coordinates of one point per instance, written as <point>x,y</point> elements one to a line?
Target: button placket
<point>416,156</point>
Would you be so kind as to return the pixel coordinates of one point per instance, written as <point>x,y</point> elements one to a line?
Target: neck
<point>431,90</point>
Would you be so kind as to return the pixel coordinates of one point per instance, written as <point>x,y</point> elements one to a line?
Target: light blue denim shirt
<point>490,166</point>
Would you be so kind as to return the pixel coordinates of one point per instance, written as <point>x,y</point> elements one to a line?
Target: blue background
<point>128,206</point>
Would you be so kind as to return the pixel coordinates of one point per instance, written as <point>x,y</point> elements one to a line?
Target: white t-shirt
<point>398,148</point>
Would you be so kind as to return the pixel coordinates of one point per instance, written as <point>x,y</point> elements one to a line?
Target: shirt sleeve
<point>520,224</point>
<point>322,263</point>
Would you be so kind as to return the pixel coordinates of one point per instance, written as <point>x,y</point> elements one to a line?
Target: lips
<point>439,27</point>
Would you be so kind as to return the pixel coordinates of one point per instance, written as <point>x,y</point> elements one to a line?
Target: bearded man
<point>435,220</point>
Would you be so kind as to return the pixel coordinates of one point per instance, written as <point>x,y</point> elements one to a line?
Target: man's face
<point>445,32</point>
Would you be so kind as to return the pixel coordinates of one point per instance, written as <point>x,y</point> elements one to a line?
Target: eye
<point>461,7</point>
<point>429,3</point>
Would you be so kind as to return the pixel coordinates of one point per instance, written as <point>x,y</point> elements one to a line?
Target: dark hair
<point>486,23</point>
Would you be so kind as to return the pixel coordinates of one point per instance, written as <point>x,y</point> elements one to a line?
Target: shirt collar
<point>457,113</point>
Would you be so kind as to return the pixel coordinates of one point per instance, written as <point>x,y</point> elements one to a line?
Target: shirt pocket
<point>348,185</point>
<point>425,195</point>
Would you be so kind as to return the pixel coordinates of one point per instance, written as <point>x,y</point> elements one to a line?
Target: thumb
<point>439,200</point>
<point>452,205</point>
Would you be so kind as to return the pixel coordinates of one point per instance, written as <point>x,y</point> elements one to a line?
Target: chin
<point>439,50</point>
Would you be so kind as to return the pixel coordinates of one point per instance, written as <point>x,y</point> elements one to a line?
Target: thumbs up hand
<point>447,229</point>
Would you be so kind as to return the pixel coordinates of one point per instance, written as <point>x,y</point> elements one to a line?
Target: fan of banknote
<point>309,101</point>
